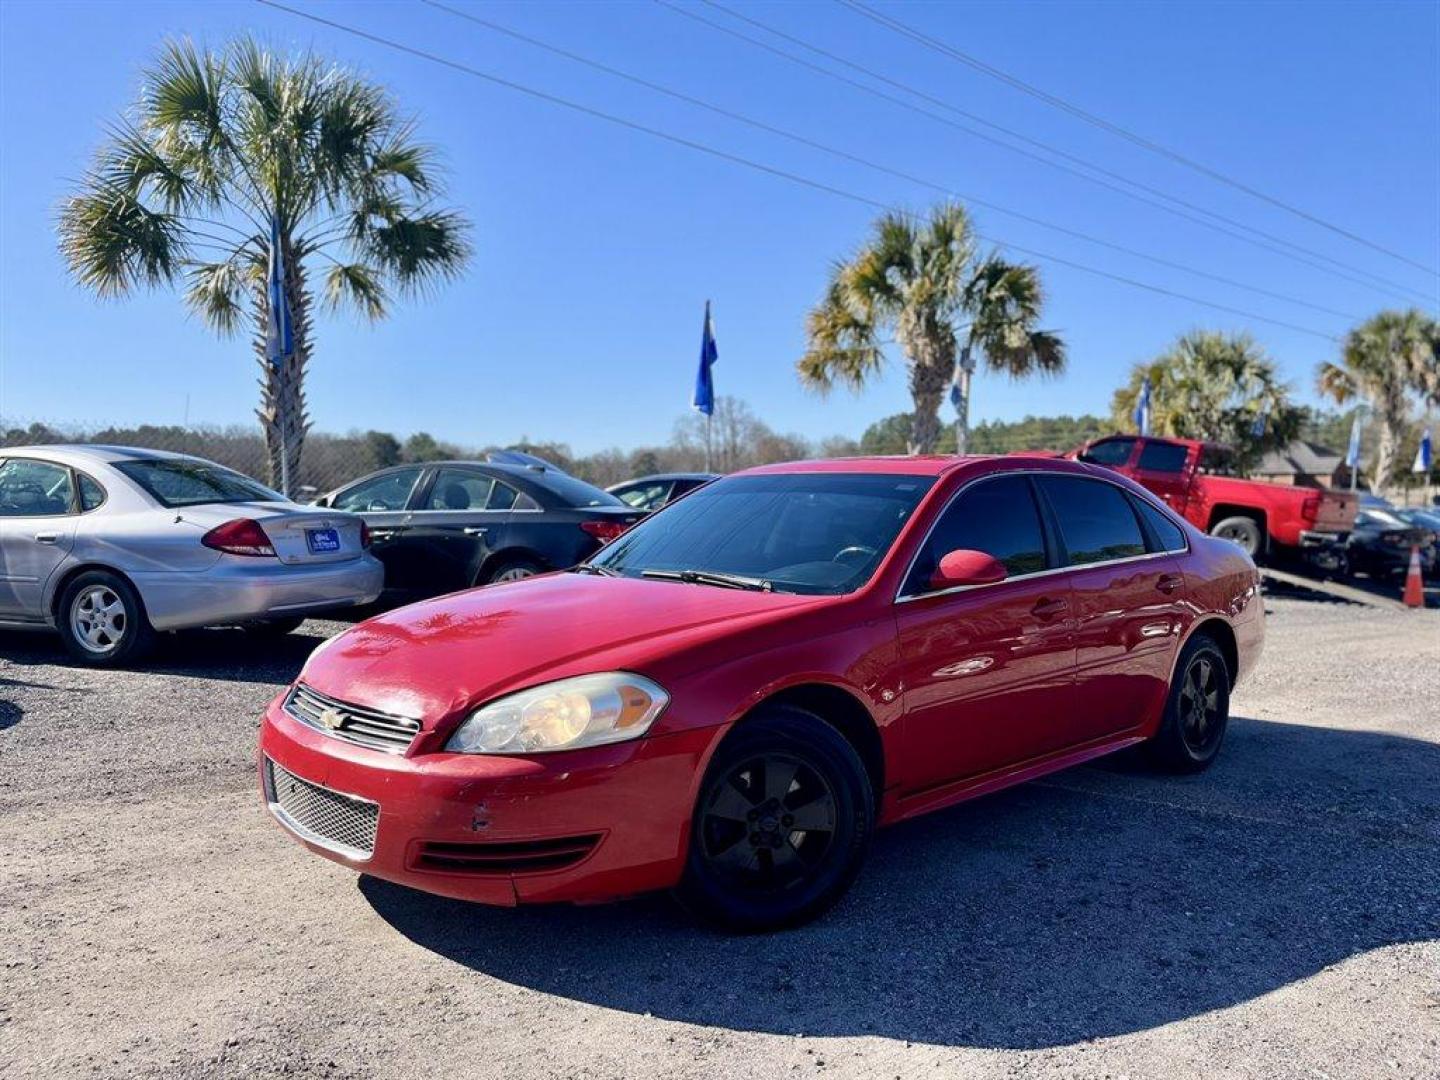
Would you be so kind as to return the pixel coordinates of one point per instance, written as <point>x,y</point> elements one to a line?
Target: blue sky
<point>596,247</point>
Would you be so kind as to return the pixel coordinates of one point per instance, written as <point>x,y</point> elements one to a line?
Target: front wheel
<point>781,825</point>
<point>102,621</point>
<point>1197,712</point>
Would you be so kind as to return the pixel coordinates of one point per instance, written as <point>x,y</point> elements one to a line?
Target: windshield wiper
<point>592,568</point>
<point>710,577</point>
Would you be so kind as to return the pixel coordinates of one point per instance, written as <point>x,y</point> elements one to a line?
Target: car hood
<point>445,656</point>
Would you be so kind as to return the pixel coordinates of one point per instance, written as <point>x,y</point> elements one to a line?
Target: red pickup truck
<point>1197,480</point>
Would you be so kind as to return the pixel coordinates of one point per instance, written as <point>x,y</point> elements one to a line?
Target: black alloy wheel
<point>1197,711</point>
<point>781,823</point>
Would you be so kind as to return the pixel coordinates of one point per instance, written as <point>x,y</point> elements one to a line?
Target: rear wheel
<point>102,621</point>
<point>1244,532</point>
<point>1197,711</point>
<point>512,570</point>
<point>781,825</point>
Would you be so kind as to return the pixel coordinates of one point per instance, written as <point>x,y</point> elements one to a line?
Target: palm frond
<point>841,343</point>
<point>216,292</point>
<point>356,285</point>
<point>417,251</point>
<point>113,244</point>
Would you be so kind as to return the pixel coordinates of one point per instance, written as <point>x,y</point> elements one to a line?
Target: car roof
<point>92,453</point>
<point>655,477</point>
<point>898,464</point>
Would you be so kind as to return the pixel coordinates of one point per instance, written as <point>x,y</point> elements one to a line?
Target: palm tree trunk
<point>1391,432</point>
<point>282,387</point>
<point>931,359</point>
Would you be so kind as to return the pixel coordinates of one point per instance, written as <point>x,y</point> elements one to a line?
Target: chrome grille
<point>342,823</point>
<point>365,727</point>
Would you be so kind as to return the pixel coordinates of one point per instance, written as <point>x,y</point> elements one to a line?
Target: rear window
<point>1111,452</point>
<point>574,492</point>
<point>1163,457</point>
<point>191,483</point>
<point>1096,522</point>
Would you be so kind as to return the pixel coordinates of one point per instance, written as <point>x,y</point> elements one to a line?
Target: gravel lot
<point>1278,916</point>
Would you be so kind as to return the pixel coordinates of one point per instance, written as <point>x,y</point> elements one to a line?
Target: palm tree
<point>1382,361</point>
<point>926,281</point>
<point>1216,387</point>
<point>224,148</point>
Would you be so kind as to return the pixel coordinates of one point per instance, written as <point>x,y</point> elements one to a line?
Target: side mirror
<point>966,567</point>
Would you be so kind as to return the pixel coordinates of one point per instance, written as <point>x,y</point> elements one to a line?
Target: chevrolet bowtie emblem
<point>331,718</point>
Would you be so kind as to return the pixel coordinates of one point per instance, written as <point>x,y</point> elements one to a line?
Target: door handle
<point>1048,609</point>
<point>47,538</point>
<point>1168,583</point>
<point>476,530</point>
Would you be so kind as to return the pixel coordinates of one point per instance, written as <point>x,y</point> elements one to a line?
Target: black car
<point>450,525</point>
<point>652,492</point>
<point>1381,540</point>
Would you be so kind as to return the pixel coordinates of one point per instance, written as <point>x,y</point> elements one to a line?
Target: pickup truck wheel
<point>1243,531</point>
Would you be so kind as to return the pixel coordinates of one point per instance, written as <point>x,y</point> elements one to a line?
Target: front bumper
<point>246,590</point>
<point>469,826</point>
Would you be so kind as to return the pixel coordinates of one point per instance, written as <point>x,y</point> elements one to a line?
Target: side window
<point>1169,535</point>
<point>502,497</point>
<point>459,489</point>
<point>525,502</point>
<point>1111,453</point>
<point>91,493</point>
<point>646,496</point>
<point>388,492</point>
<point>1163,457</point>
<point>998,517</point>
<point>34,489</point>
<point>1095,519</point>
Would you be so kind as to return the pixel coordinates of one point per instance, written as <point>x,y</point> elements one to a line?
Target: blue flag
<point>1257,428</point>
<point>1422,455</point>
<point>955,396</point>
<point>704,400</point>
<point>1142,408</point>
<point>279,333</point>
<point>1352,455</point>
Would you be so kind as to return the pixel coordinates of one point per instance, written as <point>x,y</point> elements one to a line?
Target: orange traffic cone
<point>1414,588</point>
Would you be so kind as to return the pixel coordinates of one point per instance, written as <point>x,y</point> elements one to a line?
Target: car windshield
<point>574,492</point>
<point>822,533</point>
<point>190,483</point>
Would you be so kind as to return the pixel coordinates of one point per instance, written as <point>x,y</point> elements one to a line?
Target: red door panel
<point>1128,620</point>
<point>988,677</point>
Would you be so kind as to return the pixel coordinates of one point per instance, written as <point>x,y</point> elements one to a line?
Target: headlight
<point>589,710</point>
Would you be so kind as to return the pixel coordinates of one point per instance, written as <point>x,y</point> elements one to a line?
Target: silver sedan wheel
<point>514,573</point>
<point>98,619</point>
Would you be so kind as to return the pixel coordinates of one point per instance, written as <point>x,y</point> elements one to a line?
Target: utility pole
<point>964,370</point>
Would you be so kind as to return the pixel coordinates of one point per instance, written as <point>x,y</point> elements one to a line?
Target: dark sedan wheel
<point>101,619</point>
<point>512,570</point>
<point>781,825</point>
<point>1197,711</point>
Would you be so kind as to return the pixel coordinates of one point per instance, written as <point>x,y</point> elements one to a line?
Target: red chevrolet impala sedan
<point>730,697</point>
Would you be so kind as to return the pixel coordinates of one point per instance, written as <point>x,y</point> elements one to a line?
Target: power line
<point>868,163</point>
<point>749,163</point>
<point>1057,102</point>
<point>1313,259</point>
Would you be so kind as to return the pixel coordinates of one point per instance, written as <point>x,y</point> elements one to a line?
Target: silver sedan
<point>110,544</point>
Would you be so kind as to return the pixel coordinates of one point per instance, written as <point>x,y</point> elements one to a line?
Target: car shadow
<point>1099,901</point>
<point>227,654</point>
<point>10,714</point>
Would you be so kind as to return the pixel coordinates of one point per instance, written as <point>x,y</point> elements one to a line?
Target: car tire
<point>1197,710</point>
<point>1244,532</point>
<point>511,570</point>
<point>275,627</point>
<point>745,870</point>
<point>102,620</point>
